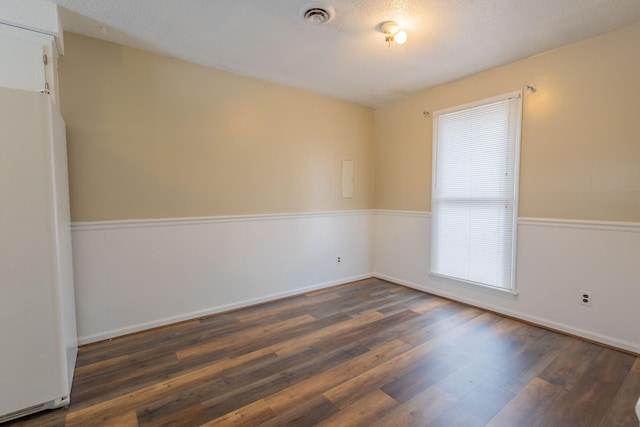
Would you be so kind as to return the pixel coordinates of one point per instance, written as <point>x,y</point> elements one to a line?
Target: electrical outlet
<point>585,298</point>
<point>338,260</point>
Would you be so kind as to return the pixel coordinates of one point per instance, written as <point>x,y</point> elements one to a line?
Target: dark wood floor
<point>369,353</point>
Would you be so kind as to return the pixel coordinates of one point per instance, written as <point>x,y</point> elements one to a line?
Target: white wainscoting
<point>134,275</point>
<point>556,259</point>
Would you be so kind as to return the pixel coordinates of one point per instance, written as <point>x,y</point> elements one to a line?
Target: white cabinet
<point>29,61</point>
<point>37,310</point>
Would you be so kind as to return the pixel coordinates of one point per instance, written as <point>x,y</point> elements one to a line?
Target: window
<point>474,197</point>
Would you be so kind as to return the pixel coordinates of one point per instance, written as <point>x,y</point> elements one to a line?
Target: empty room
<point>337,213</point>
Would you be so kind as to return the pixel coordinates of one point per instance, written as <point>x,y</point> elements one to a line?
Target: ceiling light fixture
<point>393,33</point>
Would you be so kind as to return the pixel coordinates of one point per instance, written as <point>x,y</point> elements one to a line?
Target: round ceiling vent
<point>316,13</point>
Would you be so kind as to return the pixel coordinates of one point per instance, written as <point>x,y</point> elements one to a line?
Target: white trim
<point>419,214</point>
<point>626,345</point>
<point>163,222</point>
<point>477,286</point>
<point>516,196</point>
<point>515,95</point>
<point>631,227</point>
<point>625,226</point>
<point>485,101</point>
<point>214,310</point>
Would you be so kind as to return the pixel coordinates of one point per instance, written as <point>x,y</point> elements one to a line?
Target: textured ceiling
<point>347,58</point>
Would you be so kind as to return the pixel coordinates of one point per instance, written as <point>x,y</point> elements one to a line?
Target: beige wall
<point>580,147</point>
<point>154,137</point>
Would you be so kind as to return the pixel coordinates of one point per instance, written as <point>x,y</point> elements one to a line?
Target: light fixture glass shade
<point>400,37</point>
<point>389,27</point>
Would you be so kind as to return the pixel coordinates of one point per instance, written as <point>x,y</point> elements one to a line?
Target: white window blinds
<point>474,197</point>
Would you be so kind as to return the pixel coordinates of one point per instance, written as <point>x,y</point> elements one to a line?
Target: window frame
<point>498,290</point>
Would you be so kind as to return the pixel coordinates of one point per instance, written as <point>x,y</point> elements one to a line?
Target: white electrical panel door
<point>347,179</point>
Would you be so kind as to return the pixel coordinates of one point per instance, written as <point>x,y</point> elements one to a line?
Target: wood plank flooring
<point>368,353</point>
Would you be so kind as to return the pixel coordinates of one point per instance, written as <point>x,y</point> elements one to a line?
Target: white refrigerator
<point>38,342</point>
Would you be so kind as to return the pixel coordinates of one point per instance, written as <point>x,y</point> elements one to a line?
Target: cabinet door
<point>31,370</point>
<point>22,62</point>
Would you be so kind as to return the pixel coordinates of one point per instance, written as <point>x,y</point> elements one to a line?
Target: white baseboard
<point>625,345</point>
<point>213,310</point>
<point>556,261</point>
<point>136,275</point>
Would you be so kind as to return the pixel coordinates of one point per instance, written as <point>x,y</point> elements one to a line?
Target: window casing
<point>474,194</point>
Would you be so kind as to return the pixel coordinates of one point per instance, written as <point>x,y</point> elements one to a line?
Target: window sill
<point>477,287</point>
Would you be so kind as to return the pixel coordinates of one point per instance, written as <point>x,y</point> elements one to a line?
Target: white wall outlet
<point>338,260</point>
<point>585,298</point>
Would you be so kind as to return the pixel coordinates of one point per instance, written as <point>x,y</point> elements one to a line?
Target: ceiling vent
<point>316,13</point>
